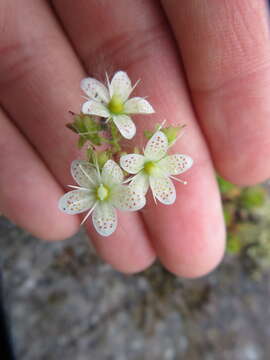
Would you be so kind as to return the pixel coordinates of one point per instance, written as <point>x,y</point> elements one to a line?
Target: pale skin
<point>203,63</point>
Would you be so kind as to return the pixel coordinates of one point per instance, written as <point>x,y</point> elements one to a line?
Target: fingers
<point>27,189</point>
<point>225,47</point>
<point>39,83</point>
<point>188,236</point>
<point>129,250</point>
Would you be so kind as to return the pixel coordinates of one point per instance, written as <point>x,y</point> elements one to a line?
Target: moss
<point>224,186</point>
<point>229,213</point>
<point>252,197</point>
<point>234,245</point>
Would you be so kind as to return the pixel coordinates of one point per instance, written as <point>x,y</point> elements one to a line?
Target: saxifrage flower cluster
<point>110,178</point>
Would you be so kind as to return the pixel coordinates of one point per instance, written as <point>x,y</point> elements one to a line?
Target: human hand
<point>206,65</point>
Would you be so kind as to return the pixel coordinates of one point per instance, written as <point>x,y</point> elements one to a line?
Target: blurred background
<point>63,302</point>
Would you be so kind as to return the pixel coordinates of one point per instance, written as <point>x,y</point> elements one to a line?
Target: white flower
<point>155,168</point>
<point>100,194</point>
<point>113,103</point>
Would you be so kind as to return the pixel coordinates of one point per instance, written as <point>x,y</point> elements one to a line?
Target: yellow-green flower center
<point>116,105</point>
<point>102,192</point>
<point>151,168</point>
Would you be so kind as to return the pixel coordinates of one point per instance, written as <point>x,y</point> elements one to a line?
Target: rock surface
<point>64,303</point>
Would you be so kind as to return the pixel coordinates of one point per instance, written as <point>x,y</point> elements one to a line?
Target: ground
<point>63,302</point>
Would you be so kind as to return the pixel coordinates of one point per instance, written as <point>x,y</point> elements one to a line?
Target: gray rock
<point>63,302</point>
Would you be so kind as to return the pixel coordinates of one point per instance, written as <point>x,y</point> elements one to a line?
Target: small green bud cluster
<point>94,132</point>
<point>171,132</point>
<point>87,128</point>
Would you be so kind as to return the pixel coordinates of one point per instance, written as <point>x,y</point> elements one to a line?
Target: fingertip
<point>61,228</point>
<point>128,249</point>
<point>201,258</point>
<point>246,170</point>
<point>134,268</point>
<point>200,265</point>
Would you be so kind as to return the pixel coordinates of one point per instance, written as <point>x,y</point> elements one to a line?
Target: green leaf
<point>102,158</point>
<point>172,132</point>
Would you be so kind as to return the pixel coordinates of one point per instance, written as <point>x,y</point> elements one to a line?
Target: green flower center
<point>151,168</point>
<point>102,193</point>
<point>116,105</point>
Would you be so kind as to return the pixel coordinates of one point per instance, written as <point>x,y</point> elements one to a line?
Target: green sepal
<point>172,133</point>
<point>81,141</point>
<point>103,157</point>
<point>148,134</point>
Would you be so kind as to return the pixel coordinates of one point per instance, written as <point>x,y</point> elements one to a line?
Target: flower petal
<point>93,107</point>
<point>76,202</point>
<point>127,199</point>
<point>120,85</point>
<point>138,105</point>
<point>157,146</point>
<point>132,163</point>
<point>112,173</point>
<point>84,173</point>
<point>140,182</point>
<point>95,90</point>
<point>104,219</point>
<point>175,164</point>
<point>163,189</point>
<point>125,125</point>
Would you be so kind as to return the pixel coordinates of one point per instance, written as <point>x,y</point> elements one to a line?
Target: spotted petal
<point>95,90</point>
<point>175,164</point>
<point>125,125</point>
<point>127,199</point>
<point>138,105</point>
<point>140,183</point>
<point>84,173</point>
<point>163,189</point>
<point>132,163</point>
<point>76,202</point>
<point>156,147</point>
<point>104,219</point>
<point>120,85</point>
<point>93,107</point>
<point>112,173</point>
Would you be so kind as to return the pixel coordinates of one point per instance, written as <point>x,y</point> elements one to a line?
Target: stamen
<point>162,125</point>
<point>97,167</point>
<point>87,175</point>
<point>89,213</point>
<point>77,187</point>
<point>129,179</point>
<point>134,86</point>
<point>179,180</point>
<point>155,200</point>
<point>180,135</point>
<point>108,82</point>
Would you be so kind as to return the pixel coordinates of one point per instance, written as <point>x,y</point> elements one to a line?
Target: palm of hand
<point>215,79</point>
